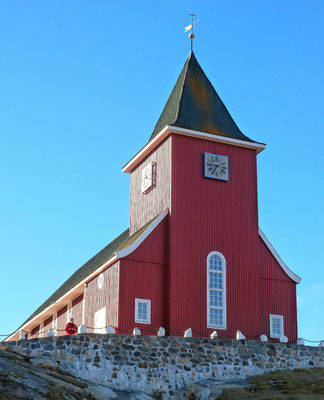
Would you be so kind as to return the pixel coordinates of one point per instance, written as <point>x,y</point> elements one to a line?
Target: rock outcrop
<point>31,378</point>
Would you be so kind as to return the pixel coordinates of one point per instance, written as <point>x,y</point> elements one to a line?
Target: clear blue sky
<point>82,85</point>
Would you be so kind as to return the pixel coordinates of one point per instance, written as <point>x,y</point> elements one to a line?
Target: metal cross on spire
<point>190,28</point>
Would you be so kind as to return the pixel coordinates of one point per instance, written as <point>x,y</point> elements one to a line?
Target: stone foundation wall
<point>165,364</point>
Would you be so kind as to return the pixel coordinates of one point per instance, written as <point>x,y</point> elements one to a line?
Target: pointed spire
<point>195,104</point>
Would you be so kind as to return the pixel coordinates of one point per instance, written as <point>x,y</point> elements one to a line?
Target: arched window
<point>216,290</point>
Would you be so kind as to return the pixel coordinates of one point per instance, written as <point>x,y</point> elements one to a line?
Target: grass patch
<point>299,384</point>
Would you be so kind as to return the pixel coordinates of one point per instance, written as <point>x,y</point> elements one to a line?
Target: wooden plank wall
<point>278,294</point>
<point>35,332</point>
<point>107,296</point>
<point>61,321</point>
<point>77,310</point>
<point>47,325</point>
<point>142,276</point>
<point>212,215</point>
<point>144,207</point>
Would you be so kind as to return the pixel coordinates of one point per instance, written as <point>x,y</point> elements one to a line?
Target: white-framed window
<point>69,312</point>
<point>54,322</point>
<point>216,290</point>
<point>276,326</point>
<point>143,311</point>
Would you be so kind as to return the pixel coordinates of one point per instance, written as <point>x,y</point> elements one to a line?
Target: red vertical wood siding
<point>270,268</point>
<point>154,247</point>
<point>141,280</point>
<point>35,332</point>
<point>279,297</point>
<point>77,305</point>
<point>142,276</point>
<point>61,321</point>
<point>212,215</point>
<point>47,325</point>
<point>278,294</point>
<point>144,207</point>
<point>107,296</point>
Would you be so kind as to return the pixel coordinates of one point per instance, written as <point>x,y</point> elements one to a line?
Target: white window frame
<point>209,307</point>
<point>139,320</point>
<point>69,314</point>
<point>275,335</point>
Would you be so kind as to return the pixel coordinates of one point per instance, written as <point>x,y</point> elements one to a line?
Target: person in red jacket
<point>71,328</point>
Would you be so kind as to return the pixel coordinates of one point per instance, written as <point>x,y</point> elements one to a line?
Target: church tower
<point>199,165</point>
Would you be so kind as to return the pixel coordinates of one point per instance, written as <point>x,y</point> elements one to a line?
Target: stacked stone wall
<point>165,365</point>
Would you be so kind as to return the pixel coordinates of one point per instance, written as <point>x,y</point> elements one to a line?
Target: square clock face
<point>216,166</point>
<point>148,177</point>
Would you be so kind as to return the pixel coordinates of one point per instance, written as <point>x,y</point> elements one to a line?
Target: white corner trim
<point>125,252</point>
<point>168,129</point>
<point>284,267</point>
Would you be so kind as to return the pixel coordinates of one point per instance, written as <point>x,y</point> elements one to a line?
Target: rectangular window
<point>276,326</point>
<point>143,311</point>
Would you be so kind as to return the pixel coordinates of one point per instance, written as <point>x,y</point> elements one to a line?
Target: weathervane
<point>190,28</point>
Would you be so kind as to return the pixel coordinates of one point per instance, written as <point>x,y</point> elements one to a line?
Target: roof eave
<point>168,129</point>
<point>62,301</point>
<point>283,266</point>
<point>78,289</point>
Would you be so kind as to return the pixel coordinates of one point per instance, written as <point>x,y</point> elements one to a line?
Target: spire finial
<point>190,28</point>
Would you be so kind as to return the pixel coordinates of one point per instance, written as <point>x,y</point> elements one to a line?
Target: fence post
<point>161,331</point>
<point>239,335</point>
<point>188,333</point>
<point>136,331</point>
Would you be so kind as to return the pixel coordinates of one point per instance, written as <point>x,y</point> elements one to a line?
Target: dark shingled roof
<point>121,242</point>
<point>195,104</point>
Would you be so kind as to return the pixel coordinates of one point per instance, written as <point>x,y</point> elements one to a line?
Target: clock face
<point>216,166</point>
<point>148,177</point>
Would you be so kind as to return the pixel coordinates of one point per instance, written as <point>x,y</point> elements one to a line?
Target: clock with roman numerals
<point>216,166</point>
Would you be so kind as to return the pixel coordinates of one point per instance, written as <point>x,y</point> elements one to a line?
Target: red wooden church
<point>194,255</point>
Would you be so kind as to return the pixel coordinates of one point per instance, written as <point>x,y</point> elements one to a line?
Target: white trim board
<point>187,132</point>
<point>284,267</point>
